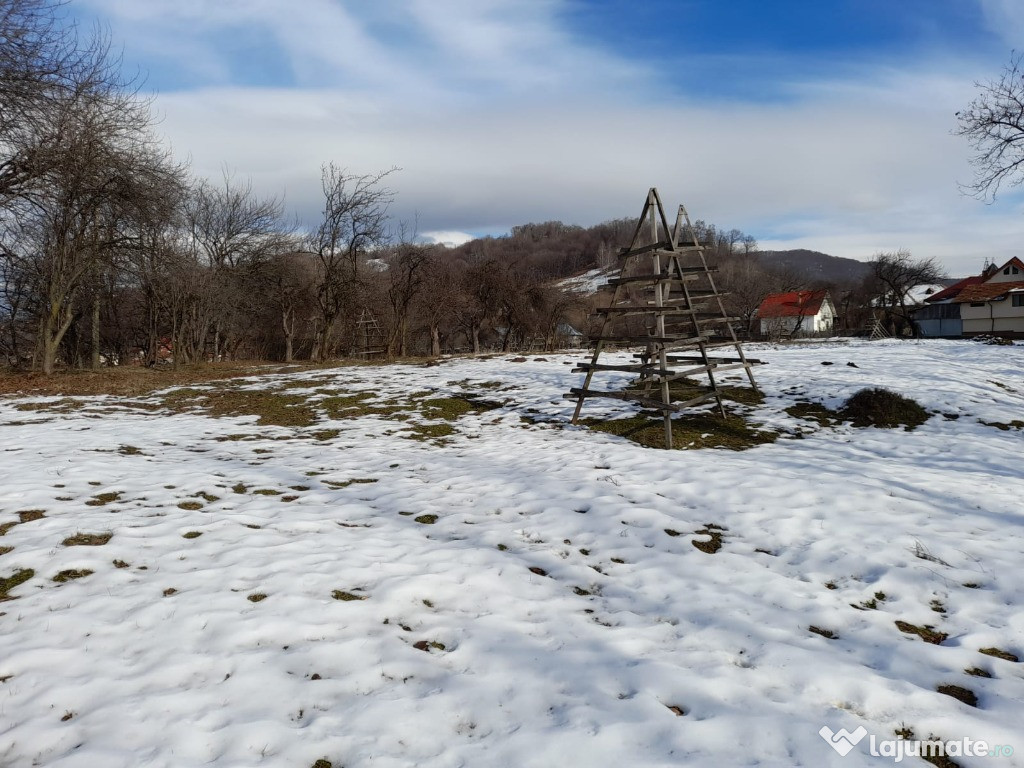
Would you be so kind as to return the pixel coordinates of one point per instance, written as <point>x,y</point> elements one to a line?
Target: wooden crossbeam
<point>625,368</point>
<point>671,309</point>
<point>694,359</point>
<point>647,402</point>
<point>660,249</point>
<point>661,277</point>
<point>646,339</point>
<point>717,368</point>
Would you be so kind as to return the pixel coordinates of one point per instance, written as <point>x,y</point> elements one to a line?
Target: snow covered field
<point>365,589</point>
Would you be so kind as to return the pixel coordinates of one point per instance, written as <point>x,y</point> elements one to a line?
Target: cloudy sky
<point>823,125</point>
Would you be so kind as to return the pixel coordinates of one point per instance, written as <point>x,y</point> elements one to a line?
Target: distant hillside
<point>819,267</point>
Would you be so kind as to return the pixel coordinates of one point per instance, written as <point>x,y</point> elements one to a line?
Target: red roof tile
<point>792,304</point>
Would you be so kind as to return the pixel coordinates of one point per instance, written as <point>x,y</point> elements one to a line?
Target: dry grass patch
<point>689,430</point>
<point>879,407</point>
<point>10,582</point>
<point>102,499</point>
<point>87,540</point>
<point>998,653</point>
<point>139,380</point>
<point>346,597</point>
<point>958,692</point>
<point>71,574</point>
<point>816,412</point>
<point>270,406</point>
<point>712,545</point>
<point>926,633</point>
<point>336,484</point>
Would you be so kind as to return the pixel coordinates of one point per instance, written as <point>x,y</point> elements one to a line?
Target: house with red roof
<point>994,305</point>
<point>797,313</point>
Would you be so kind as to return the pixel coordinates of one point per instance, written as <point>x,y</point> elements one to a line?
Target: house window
<point>1018,299</point>
<point>1016,271</point>
<point>1006,271</point>
<point>977,303</point>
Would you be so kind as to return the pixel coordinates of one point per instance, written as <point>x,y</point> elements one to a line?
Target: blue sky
<point>807,123</point>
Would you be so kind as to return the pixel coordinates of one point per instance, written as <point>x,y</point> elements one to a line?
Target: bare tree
<point>290,279</point>
<point>435,304</point>
<point>993,124</point>
<point>39,58</point>
<point>232,234</point>
<point>893,275</point>
<point>112,174</point>
<point>354,222</point>
<point>406,271</point>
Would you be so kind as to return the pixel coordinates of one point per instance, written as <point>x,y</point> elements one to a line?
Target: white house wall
<point>1015,276</point>
<point>994,317</point>
<point>826,317</point>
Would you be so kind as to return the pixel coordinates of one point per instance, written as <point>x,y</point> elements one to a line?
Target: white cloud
<point>846,166</point>
<point>1006,19</point>
<point>450,238</point>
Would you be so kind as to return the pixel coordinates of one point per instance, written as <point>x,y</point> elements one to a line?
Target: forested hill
<point>555,250</point>
<point>816,266</point>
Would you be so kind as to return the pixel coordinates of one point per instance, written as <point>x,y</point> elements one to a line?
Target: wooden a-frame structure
<point>665,283</point>
<point>369,336</point>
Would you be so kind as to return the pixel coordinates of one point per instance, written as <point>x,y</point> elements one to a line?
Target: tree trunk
<point>52,331</point>
<point>288,323</point>
<point>476,339</point>
<point>435,341</point>
<point>95,331</point>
